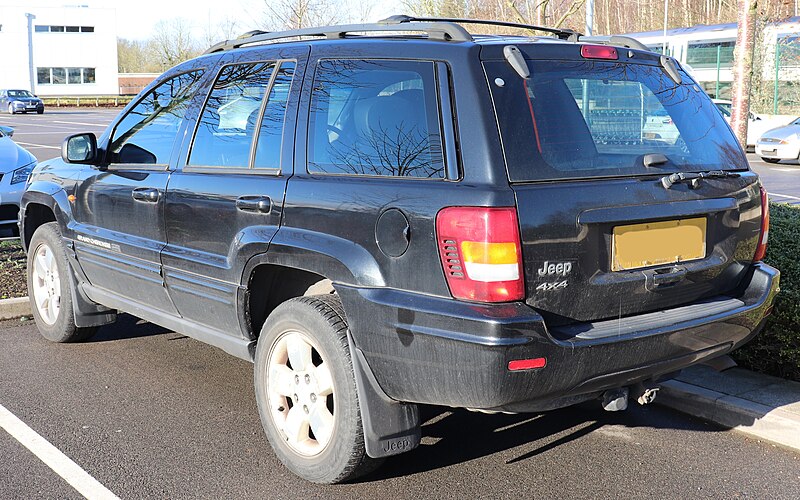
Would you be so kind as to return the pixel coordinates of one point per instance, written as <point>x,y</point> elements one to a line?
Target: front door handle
<point>260,204</point>
<point>148,195</point>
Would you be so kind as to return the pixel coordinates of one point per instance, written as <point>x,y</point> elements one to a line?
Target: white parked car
<point>782,143</point>
<point>755,126</point>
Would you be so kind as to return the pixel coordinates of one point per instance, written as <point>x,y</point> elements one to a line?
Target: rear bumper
<point>440,351</point>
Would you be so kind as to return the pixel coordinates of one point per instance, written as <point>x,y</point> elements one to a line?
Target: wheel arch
<point>296,261</point>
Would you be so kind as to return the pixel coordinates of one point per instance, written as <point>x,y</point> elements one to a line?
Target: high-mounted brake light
<point>598,52</point>
<point>761,249</point>
<point>480,252</point>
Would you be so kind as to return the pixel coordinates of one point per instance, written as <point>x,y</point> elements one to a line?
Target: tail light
<point>761,249</point>
<point>598,52</point>
<point>480,252</point>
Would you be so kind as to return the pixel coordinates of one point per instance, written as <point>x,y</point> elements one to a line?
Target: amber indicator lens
<point>656,243</point>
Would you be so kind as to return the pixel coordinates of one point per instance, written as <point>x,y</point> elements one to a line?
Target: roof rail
<point>434,30</point>
<point>561,33</point>
<point>437,28</point>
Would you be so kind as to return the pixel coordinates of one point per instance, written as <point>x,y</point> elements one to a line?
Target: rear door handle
<point>260,204</point>
<point>147,195</point>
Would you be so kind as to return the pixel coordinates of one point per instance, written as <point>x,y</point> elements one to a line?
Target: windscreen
<point>579,119</point>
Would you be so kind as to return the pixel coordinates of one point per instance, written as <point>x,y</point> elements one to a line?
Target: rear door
<point>225,202</point>
<point>602,235</point>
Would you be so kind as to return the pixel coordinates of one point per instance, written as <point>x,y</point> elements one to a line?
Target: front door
<point>119,210</point>
<point>224,203</point>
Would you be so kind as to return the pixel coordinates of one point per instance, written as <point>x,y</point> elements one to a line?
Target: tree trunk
<point>743,68</point>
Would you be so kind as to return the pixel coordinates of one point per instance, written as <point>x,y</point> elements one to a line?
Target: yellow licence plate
<point>656,243</point>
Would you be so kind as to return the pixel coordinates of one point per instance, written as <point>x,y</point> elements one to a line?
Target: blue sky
<point>135,18</point>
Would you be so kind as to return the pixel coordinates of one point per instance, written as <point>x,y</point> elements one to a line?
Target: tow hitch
<point>617,399</point>
<point>644,394</point>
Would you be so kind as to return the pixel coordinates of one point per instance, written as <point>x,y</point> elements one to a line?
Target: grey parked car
<point>20,101</point>
<point>15,164</point>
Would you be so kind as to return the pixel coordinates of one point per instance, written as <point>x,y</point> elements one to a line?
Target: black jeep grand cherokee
<point>411,215</point>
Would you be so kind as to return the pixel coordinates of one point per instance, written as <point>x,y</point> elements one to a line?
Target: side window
<point>376,118</point>
<point>268,150</point>
<point>230,117</point>
<point>146,134</point>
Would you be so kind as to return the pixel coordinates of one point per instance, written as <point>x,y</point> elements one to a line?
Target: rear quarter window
<point>375,118</point>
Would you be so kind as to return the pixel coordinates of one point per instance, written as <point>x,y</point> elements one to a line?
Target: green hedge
<point>776,351</point>
<point>90,101</point>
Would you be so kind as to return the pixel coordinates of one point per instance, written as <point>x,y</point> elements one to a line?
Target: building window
<point>73,75</point>
<point>65,76</point>
<point>708,55</point>
<point>43,76</point>
<point>788,47</point>
<point>59,76</point>
<point>41,28</point>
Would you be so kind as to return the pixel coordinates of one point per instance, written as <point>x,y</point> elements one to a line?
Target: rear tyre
<point>771,160</point>
<point>49,287</point>
<point>306,391</point>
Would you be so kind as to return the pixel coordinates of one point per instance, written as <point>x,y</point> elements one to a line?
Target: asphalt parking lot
<point>147,412</point>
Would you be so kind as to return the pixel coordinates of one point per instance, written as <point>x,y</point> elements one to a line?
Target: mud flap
<point>390,427</point>
<point>87,313</point>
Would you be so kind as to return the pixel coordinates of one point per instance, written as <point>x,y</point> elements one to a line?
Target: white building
<point>74,50</point>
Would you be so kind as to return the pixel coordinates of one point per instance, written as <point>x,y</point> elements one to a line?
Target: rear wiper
<point>693,178</point>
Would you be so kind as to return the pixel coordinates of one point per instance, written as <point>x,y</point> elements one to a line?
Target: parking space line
<point>785,196</point>
<point>61,464</point>
<point>78,123</point>
<point>36,145</point>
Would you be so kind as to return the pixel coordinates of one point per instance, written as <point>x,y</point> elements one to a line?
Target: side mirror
<point>80,148</point>
<point>6,131</point>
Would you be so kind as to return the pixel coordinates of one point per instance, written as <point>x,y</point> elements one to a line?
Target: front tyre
<point>306,391</point>
<point>49,287</point>
<point>771,160</point>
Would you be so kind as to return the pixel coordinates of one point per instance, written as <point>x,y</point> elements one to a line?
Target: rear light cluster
<point>761,249</point>
<point>480,252</point>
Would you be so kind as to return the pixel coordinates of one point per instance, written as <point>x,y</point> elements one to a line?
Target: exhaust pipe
<point>615,399</point>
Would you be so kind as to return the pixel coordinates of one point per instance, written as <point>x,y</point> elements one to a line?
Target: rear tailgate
<point>567,230</point>
<point>602,235</point>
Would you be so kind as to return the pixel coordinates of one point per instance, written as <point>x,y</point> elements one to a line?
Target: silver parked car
<point>782,143</point>
<point>16,164</point>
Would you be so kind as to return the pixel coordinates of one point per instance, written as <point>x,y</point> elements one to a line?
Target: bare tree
<point>135,56</point>
<point>296,14</point>
<point>226,28</point>
<point>173,42</point>
<point>743,68</point>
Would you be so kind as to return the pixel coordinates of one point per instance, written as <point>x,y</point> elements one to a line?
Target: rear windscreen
<point>578,119</point>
